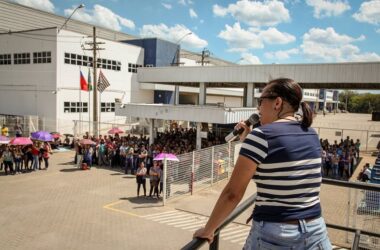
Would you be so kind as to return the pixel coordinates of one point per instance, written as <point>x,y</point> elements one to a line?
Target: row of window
<point>132,68</point>
<point>25,58</point>
<point>77,107</point>
<point>75,59</point>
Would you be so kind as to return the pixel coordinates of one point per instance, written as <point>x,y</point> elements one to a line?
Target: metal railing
<point>196,243</point>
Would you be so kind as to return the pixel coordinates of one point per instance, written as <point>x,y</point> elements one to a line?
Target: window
<point>107,107</point>
<point>82,60</point>
<point>5,59</point>
<point>132,68</point>
<point>42,57</point>
<point>75,107</point>
<point>21,58</point>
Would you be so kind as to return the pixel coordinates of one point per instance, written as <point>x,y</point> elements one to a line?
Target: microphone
<point>254,120</point>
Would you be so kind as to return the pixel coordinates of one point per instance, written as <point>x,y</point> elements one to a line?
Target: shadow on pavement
<point>71,170</point>
<point>142,200</point>
<point>67,163</point>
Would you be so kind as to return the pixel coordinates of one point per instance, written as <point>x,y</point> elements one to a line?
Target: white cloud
<point>101,16</point>
<point>255,13</point>
<point>173,34</point>
<point>240,39</point>
<point>185,2</point>
<point>248,58</point>
<point>192,13</point>
<point>281,54</point>
<point>167,6</point>
<point>329,36</point>
<point>327,8</point>
<point>274,36</point>
<point>45,5</point>
<point>378,31</point>
<point>369,12</point>
<point>327,45</point>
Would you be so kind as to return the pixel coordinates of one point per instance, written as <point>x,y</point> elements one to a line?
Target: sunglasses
<point>260,100</point>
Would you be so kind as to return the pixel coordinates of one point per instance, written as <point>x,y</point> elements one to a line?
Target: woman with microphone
<point>283,156</point>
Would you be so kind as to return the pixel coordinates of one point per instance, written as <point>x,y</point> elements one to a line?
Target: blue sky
<point>242,31</point>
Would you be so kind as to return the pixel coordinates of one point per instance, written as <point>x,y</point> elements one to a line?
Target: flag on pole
<point>83,83</point>
<point>89,81</point>
<point>102,82</point>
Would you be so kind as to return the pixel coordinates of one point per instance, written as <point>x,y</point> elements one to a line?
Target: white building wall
<point>27,89</point>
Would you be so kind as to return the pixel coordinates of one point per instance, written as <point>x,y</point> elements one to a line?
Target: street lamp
<point>179,46</point>
<point>72,13</point>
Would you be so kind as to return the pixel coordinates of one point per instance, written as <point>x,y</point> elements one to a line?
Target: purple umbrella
<point>4,140</point>
<point>42,136</point>
<point>167,156</point>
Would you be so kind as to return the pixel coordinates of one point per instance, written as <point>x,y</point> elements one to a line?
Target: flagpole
<point>80,110</point>
<point>89,101</point>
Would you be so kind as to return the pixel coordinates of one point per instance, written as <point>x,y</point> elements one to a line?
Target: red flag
<point>83,83</point>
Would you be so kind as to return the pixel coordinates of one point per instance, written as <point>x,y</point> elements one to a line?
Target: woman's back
<point>288,176</point>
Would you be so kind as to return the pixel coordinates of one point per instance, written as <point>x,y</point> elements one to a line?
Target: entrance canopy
<point>361,75</point>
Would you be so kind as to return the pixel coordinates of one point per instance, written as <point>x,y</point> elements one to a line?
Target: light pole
<point>72,13</point>
<point>176,88</point>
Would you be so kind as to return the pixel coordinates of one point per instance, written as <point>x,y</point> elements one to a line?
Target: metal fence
<point>199,169</point>
<point>368,138</point>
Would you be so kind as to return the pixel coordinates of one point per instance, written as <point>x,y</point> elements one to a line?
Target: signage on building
<point>322,94</point>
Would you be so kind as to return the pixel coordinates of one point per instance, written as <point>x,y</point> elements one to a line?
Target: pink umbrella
<point>87,142</point>
<point>115,131</point>
<point>56,136</point>
<point>4,140</point>
<point>21,141</point>
<point>167,156</point>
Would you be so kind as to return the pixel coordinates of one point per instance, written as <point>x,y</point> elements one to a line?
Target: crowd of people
<point>17,159</point>
<point>339,159</point>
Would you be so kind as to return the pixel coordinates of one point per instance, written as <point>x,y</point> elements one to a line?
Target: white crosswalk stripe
<point>234,233</point>
<point>187,221</point>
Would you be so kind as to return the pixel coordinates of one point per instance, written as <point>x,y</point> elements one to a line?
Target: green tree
<point>359,103</point>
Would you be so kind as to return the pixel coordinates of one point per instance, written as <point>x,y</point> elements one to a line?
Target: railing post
<point>348,212</point>
<point>215,244</point>
<point>355,245</point>
<point>193,174</point>
<point>165,181</point>
<point>212,165</point>
<point>366,145</point>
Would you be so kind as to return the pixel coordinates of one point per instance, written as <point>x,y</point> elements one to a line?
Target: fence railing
<point>200,169</point>
<point>360,238</point>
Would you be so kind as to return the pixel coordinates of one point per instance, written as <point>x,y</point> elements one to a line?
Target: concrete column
<point>151,132</point>
<point>250,94</point>
<point>176,95</point>
<point>202,94</point>
<point>199,139</point>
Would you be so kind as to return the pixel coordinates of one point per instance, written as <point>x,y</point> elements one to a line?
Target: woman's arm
<point>232,194</point>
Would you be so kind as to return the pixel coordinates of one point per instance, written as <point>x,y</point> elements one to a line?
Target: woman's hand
<point>202,233</point>
<point>246,131</point>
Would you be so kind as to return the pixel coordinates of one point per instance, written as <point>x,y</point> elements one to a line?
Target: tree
<point>359,103</point>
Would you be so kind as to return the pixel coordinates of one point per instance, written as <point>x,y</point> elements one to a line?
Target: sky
<point>242,31</point>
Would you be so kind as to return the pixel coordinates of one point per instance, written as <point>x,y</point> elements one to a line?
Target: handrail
<point>198,242</point>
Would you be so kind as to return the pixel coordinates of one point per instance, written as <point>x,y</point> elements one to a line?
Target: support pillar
<point>151,132</point>
<point>202,93</point>
<point>176,95</point>
<point>199,139</point>
<point>250,94</point>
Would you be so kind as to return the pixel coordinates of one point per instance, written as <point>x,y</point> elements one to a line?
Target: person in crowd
<point>18,159</point>
<point>87,155</point>
<point>365,173</point>
<point>281,152</point>
<point>8,160</point>
<point>141,178</point>
<point>102,152</point>
<point>46,152</point>
<point>154,177</point>
<point>35,153</point>
<point>4,130</point>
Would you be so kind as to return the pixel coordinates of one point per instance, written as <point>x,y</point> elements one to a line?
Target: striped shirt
<point>288,175</point>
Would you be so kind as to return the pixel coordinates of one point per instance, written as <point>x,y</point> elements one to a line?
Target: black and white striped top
<point>288,176</point>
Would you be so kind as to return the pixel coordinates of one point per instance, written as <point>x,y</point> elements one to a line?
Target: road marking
<point>109,207</point>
